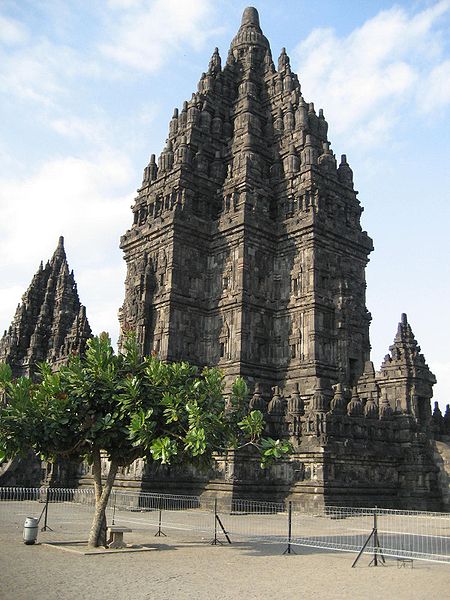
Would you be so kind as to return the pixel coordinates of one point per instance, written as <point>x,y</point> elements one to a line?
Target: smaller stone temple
<point>50,322</point>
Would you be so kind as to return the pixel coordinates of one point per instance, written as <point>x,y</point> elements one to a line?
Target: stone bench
<point>116,536</point>
<point>405,562</point>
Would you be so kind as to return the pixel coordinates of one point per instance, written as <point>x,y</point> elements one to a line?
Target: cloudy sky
<point>87,91</point>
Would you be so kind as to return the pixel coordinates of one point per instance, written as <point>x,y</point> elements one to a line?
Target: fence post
<point>160,532</point>
<point>45,527</point>
<point>375,528</point>
<point>215,540</point>
<point>114,508</point>
<point>376,544</point>
<point>377,550</point>
<point>289,550</point>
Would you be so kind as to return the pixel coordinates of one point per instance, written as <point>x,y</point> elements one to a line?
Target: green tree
<point>127,407</point>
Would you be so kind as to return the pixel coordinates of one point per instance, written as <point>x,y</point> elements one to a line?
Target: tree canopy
<point>127,407</point>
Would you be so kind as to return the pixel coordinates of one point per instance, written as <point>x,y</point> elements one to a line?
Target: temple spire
<point>60,251</point>
<point>404,374</point>
<point>249,34</point>
<point>50,323</point>
<point>250,16</point>
<point>215,64</point>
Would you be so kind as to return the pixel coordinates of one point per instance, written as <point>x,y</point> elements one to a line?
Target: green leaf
<point>163,449</point>
<point>5,375</point>
<point>195,441</point>
<point>272,450</point>
<point>239,388</point>
<point>252,424</point>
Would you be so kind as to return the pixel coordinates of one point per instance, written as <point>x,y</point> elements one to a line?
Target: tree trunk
<point>97,535</point>
<point>97,473</point>
<point>98,488</point>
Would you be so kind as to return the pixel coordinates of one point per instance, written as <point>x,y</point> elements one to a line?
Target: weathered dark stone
<point>50,323</point>
<point>246,252</point>
<point>246,249</point>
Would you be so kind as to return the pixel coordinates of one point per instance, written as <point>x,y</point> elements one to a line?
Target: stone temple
<point>246,252</point>
<point>50,323</point>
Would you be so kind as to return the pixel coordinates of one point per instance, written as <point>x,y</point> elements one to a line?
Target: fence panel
<point>400,534</point>
<point>259,521</point>
<point>336,528</point>
<point>145,510</point>
<point>416,535</point>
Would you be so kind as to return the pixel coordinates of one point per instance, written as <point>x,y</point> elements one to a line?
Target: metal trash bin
<point>30,530</point>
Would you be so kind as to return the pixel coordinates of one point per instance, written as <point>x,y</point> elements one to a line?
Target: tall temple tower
<point>247,252</point>
<point>50,323</point>
<point>246,249</point>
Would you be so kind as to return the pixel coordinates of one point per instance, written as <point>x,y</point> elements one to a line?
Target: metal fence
<point>380,532</point>
<point>393,533</point>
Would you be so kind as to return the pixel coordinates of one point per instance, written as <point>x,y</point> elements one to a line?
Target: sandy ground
<point>184,567</point>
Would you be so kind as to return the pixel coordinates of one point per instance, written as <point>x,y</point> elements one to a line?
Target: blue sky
<point>87,91</point>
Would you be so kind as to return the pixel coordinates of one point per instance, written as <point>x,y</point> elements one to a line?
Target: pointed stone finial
<point>338,404</point>
<point>447,420</point>
<point>59,252</point>
<point>283,60</point>
<point>296,405</point>
<point>257,401</point>
<point>371,408</point>
<point>250,16</point>
<point>277,404</point>
<point>386,411</point>
<point>369,369</point>
<point>345,174</point>
<point>248,38</point>
<point>151,171</point>
<point>215,64</point>
<point>355,407</point>
<point>404,319</point>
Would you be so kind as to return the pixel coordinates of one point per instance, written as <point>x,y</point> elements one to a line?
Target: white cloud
<point>436,89</point>
<point>125,3</point>
<point>365,78</point>
<point>74,127</point>
<point>79,198</point>
<point>41,70</point>
<point>375,131</point>
<point>146,34</point>
<point>12,32</point>
<point>28,75</point>
<point>102,289</point>
<point>88,202</point>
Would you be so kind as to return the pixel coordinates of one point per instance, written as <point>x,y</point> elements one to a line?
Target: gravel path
<point>184,567</point>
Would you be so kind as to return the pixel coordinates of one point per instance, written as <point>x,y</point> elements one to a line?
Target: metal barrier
<point>259,521</point>
<point>380,532</point>
<point>394,533</point>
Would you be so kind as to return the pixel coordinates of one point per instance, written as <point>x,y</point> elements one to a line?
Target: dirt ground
<point>182,568</point>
